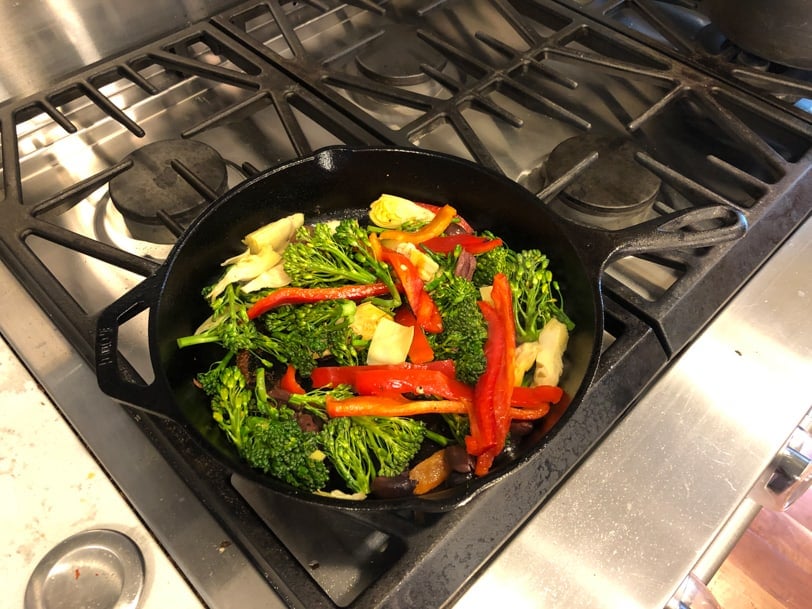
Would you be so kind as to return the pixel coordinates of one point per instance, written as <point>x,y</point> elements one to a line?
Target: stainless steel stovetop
<point>502,83</point>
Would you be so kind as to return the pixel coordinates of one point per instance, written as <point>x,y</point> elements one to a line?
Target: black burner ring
<point>615,184</point>
<point>152,187</point>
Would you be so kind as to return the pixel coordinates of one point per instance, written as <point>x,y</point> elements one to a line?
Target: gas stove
<point>612,113</point>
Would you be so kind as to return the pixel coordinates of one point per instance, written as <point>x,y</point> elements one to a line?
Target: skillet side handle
<point>115,376</point>
<point>706,226</point>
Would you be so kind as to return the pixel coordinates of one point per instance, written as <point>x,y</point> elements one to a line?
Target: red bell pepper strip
<point>420,350</point>
<point>473,244</point>
<point>415,380</point>
<point>424,308</point>
<point>332,376</point>
<point>502,297</point>
<point>482,413</point>
<point>292,295</point>
<point>388,406</point>
<point>531,397</point>
<point>500,347</point>
<point>530,414</point>
<point>428,315</point>
<point>442,218</point>
<point>458,219</point>
<point>289,383</point>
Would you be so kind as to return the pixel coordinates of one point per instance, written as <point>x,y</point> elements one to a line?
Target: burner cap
<point>614,184</point>
<point>395,57</point>
<point>152,185</point>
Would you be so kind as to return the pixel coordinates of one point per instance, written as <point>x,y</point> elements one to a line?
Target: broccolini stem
<point>437,438</point>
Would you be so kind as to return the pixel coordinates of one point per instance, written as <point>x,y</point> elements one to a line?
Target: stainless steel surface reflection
<point>642,509</point>
<point>45,40</point>
<point>221,573</point>
<point>113,569</point>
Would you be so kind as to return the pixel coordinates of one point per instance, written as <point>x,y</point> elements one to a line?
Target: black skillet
<point>341,181</point>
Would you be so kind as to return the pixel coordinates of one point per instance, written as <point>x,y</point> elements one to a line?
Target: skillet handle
<point>708,226</point>
<point>115,376</point>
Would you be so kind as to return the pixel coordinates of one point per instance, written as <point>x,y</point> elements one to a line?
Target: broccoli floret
<point>230,404</point>
<point>303,333</point>
<point>209,381</point>
<point>459,425</point>
<point>464,328</point>
<point>266,435</point>
<point>361,448</point>
<point>334,254</point>
<point>279,447</point>
<point>536,295</point>
<point>500,259</point>
<point>315,400</point>
<point>229,326</point>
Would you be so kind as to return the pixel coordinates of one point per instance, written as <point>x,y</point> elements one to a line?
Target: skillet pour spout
<point>337,182</point>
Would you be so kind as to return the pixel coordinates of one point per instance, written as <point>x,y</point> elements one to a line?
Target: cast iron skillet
<point>341,181</point>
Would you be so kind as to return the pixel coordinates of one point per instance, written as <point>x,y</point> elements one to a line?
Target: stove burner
<point>152,188</point>
<point>613,191</point>
<point>395,57</point>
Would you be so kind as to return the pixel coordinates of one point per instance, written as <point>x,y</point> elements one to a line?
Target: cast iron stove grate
<point>504,84</point>
<point>683,28</point>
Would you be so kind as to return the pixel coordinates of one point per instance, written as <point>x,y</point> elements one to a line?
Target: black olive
<point>386,487</point>
<point>459,460</point>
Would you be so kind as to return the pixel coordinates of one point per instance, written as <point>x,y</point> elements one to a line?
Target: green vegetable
<point>536,296</point>
<point>328,254</point>
<point>229,325</point>
<point>361,448</point>
<point>459,425</point>
<point>464,328</point>
<point>209,381</point>
<point>303,333</point>
<point>267,436</point>
<point>331,256</point>
<point>498,260</point>
<point>314,401</point>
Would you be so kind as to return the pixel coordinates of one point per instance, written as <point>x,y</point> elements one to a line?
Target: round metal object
<point>396,57</point>
<point>154,186</point>
<point>779,31</point>
<point>98,568</point>
<point>614,184</point>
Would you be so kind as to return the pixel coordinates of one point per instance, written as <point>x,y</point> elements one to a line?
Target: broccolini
<point>361,448</point>
<point>306,332</point>
<point>328,254</point>
<point>536,296</point>
<point>464,328</point>
<point>266,435</point>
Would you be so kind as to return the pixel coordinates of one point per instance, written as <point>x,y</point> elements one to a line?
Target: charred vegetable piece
<point>392,487</point>
<point>431,472</point>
